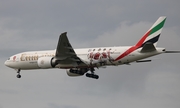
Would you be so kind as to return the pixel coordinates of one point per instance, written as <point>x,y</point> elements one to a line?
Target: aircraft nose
<point>6,63</point>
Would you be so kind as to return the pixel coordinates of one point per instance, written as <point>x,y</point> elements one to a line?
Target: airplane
<point>78,62</point>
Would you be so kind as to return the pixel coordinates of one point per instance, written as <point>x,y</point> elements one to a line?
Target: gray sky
<point>37,24</point>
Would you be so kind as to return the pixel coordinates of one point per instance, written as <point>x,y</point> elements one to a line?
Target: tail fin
<point>153,34</point>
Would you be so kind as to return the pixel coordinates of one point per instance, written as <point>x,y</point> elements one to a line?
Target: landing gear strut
<point>92,74</point>
<point>18,75</point>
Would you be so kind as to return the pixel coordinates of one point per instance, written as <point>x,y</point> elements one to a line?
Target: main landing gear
<point>18,75</point>
<point>92,74</point>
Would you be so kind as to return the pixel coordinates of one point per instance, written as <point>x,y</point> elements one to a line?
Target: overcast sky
<point>37,24</point>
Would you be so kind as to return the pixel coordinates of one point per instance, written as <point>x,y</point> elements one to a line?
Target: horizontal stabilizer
<point>139,61</point>
<point>148,47</point>
<point>172,52</point>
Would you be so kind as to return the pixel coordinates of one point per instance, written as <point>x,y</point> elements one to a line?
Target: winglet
<point>153,34</point>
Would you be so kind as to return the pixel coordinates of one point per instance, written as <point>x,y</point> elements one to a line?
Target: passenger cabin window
<point>89,50</point>
<point>34,57</point>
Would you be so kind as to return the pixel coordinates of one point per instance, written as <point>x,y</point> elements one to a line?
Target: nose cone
<point>6,63</point>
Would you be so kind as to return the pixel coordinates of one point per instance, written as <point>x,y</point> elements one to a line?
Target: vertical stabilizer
<point>153,34</point>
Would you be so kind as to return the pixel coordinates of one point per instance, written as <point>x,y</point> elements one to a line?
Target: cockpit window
<point>8,58</point>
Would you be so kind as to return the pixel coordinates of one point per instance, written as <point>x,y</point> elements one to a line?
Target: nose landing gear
<point>18,75</point>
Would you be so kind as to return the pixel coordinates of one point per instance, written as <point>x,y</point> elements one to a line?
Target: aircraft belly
<point>67,66</point>
<point>28,65</point>
<point>135,56</point>
<point>139,56</point>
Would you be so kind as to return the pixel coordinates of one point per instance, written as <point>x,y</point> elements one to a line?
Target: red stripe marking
<point>133,48</point>
<point>141,41</point>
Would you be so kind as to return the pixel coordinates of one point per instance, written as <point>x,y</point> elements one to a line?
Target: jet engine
<point>76,72</point>
<point>46,62</point>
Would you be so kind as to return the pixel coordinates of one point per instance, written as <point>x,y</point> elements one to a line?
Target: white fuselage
<point>105,55</point>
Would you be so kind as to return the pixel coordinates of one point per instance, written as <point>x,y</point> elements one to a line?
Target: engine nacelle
<point>76,72</point>
<point>46,62</point>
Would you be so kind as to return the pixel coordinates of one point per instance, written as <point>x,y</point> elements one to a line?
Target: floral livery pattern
<point>99,56</point>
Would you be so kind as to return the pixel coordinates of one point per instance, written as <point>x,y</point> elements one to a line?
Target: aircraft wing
<point>65,53</point>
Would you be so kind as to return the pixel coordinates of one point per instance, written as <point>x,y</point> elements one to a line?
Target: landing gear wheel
<point>92,76</point>
<point>95,76</point>
<point>88,75</point>
<point>18,76</point>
